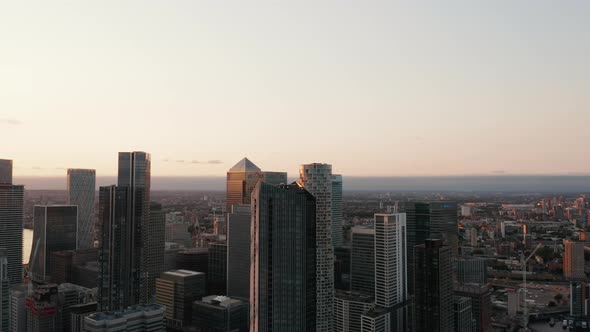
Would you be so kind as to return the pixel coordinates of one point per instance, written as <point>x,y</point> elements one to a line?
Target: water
<point>27,244</point>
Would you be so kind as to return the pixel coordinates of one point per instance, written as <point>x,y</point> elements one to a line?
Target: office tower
<point>238,252</point>
<point>4,292</point>
<point>140,317</point>
<point>64,265</point>
<point>135,175</point>
<point>391,286</point>
<point>194,259</point>
<point>172,249</point>
<point>156,245</point>
<point>579,296</point>
<point>242,178</point>
<point>430,220</point>
<point>462,313</point>
<point>377,319</point>
<point>77,314</point>
<point>5,171</point>
<point>54,229</point>
<point>471,270</point>
<point>283,257</point>
<point>481,304</point>
<point>362,260</point>
<point>342,267</point>
<point>348,309</point>
<point>573,260</point>
<point>220,314</point>
<point>337,238</point>
<point>18,312</point>
<point>118,280</point>
<point>433,292</point>
<point>317,179</point>
<point>11,222</point>
<point>176,291</point>
<point>81,191</point>
<point>217,269</point>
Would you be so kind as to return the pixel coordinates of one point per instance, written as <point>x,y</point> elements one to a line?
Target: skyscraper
<point>217,269</point>
<point>317,179</point>
<point>11,222</point>
<point>81,191</point>
<point>462,313</point>
<point>471,270</point>
<point>54,229</point>
<point>573,260</point>
<point>362,260</point>
<point>337,238</point>
<point>157,245</point>
<point>177,290</point>
<point>430,220</point>
<point>348,309</point>
<point>242,178</point>
<point>238,252</point>
<point>4,292</point>
<point>220,313</point>
<point>433,287</point>
<point>283,254</point>
<point>135,175</point>
<point>481,304</point>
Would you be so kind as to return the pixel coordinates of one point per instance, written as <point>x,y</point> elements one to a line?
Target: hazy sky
<point>373,87</point>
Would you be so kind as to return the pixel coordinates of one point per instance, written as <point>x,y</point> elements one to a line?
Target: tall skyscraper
<point>238,252</point>
<point>337,238</point>
<point>81,191</point>
<point>471,270</point>
<point>11,222</point>
<point>135,175</point>
<point>217,269</point>
<point>481,304</point>
<point>362,260</point>
<point>462,312</point>
<point>433,287</point>
<point>177,290</point>
<point>573,260</point>
<point>430,220</point>
<point>157,245</point>
<point>54,229</point>
<point>348,309</point>
<point>317,179</point>
<point>283,256</point>
<point>4,292</point>
<point>242,178</point>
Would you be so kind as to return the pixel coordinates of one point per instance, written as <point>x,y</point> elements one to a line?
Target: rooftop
<point>245,165</point>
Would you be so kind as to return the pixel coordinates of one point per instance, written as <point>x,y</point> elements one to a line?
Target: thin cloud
<point>196,162</point>
<point>214,162</point>
<point>13,122</point>
<point>500,171</point>
<point>180,161</point>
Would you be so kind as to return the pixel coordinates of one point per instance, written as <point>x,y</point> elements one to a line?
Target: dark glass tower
<point>11,222</point>
<point>217,269</point>
<point>283,252</point>
<point>81,192</point>
<point>362,261</point>
<point>55,229</point>
<point>433,282</point>
<point>238,252</point>
<point>157,244</point>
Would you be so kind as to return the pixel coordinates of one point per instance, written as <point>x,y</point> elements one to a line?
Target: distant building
<point>513,302</point>
<point>176,291</point>
<point>55,229</point>
<point>11,222</point>
<point>481,304</point>
<point>194,259</point>
<point>141,317</point>
<point>5,171</point>
<point>362,261</point>
<point>573,260</point>
<point>579,299</point>
<point>348,309</point>
<point>337,237</point>
<point>463,319</point>
<point>170,252</point>
<point>433,287</point>
<point>178,233</point>
<point>217,269</point>
<point>220,314</point>
<point>238,252</point>
<point>283,257</point>
<point>81,192</point>
<point>471,270</point>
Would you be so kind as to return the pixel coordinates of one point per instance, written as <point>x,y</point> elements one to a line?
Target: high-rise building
<point>283,259</point>
<point>391,285</point>
<point>18,312</point>
<point>242,178</point>
<point>337,237</point>
<point>135,175</point>
<point>573,260</point>
<point>217,269</point>
<point>157,245</point>
<point>377,319</point>
<point>481,304</point>
<point>342,267</point>
<point>194,259</point>
<point>579,299</point>
<point>54,229</point>
<point>317,179</point>
<point>430,220</point>
<point>176,291</point>
<point>348,309</point>
<point>11,222</point>
<point>471,270</point>
<point>238,252</point>
<point>81,192</point>
<point>362,260</point>
<point>462,313</point>
<point>5,171</point>
<point>4,292</point>
<point>220,314</point>
<point>433,287</point>
<point>77,314</point>
<point>141,317</point>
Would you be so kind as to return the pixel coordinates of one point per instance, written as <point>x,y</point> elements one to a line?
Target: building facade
<point>157,246</point>
<point>573,260</point>
<point>176,291</point>
<point>220,314</point>
<point>238,252</point>
<point>11,222</point>
<point>217,269</point>
<point>337,232</point>
<point>481,304</point>
<point>462,312</point>
<point>348,309</point>
<point>81,188</point>
<point>141,317</point>
<point>4,292</point>
<point>362,260</point>
<point>471,270</point>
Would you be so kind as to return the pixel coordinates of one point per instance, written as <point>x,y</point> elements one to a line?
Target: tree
<point>551,304</point>
<point>558,297</point>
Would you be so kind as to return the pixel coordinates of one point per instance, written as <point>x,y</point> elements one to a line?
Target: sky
<point>376,88</point>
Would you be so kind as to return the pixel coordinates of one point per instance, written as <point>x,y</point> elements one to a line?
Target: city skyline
<point>392,88</point>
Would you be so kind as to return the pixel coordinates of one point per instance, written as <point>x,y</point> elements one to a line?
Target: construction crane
<point>524,261</point>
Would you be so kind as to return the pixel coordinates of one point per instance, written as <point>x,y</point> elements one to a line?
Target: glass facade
<point>11,229</point>
<point>81,192</point>
<point>238,252</point>
<point>362,261</point>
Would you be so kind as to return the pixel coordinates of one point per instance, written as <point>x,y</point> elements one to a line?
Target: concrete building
<point>77,314</point>
<point>376,320</point>
<point>348,309</point>
<point>317,179</point>
<point>573,260</point>
<point>176,291</point>
<point>238,252</point>
<point>18,312</point>
<point>141,317</point>
<point>220,314</point>
<point>81,188</point>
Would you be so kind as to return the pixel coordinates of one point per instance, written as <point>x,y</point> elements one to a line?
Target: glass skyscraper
<point>11,222</point>
<point>362,260</point>
<point>81,192</point>
<point>283,256</point>
<point>238,252</point>
<point>337,237</point>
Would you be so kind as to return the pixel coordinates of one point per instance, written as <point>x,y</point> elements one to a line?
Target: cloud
<point>13,122</point>
<point>165,160</point>
<point>180,161</point>
<point>500,171</point>
<point>214,162</point>
<point>195,162</point>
